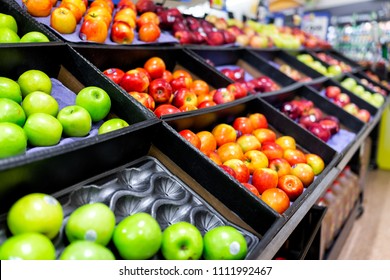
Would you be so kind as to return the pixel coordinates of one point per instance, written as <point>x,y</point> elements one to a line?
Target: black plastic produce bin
<point>350,129</point>
<point>361,75</point>
<point>245,204</point>
<point>253,65</point>
<point>52,168</point>
<point>145,178</point>
<point>25,22</point>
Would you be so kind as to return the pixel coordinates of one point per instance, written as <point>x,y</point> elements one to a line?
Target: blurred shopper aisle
<point>370,235</point>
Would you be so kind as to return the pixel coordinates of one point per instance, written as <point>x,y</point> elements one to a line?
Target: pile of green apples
<point>9,32</point>
<point>30,115</point>
<point>330,71</point>
<point>376,99</point>
<point>36,219</point>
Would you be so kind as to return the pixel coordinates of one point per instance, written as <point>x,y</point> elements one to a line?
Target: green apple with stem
<point>40,102</point>
<point>224,243</point>
<point>36,212</point>
<point>75,120</point>
<point>10,89</point>
<point>34,37</point>
<point>137,237</point>
<point>34,80</point>
<point>28,246</point>
<point>95,100</point>
<point>86,250</point>
<point>111,125</point>
<point>13,140</point>
<point>91,222</point>
<point>7,35</point>
<point>8,21</point>
<point>10,111</point>
<point>182,241</point>
<point>43,130</point>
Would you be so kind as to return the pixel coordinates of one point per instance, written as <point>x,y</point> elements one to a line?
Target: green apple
<point>137,237</point>
<point>13,140</point>
<point>111,125</point>
<point>10,89</point>
<point>8,21</point>
<point>95,100</point>
<point>182,241</point>
<point>349,83</point>
<point>7,35</point>
<point>92,222</point>
<point>366,95</point>
<point>34,80</point>
<point>10,111</point>
<point>40,102</point>
<point>28,246</point>
<point>36,212</point>
<point>34,37</point>
<point>43,130</point>
<point>305,58</point>
<point>86,250</point>
<point>75,120</point>
<point>224,243</point>
<point>358,90</point>
<point>335,70</point>
<point>377,99</point>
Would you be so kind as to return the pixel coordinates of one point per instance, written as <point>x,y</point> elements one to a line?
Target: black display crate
<point>279,57</point>
<point>49,168</point>
<point>25,22</point>
<point>246,204</point>
<point>149,180</point>
<point>350,126</point>
<point>254,65</point>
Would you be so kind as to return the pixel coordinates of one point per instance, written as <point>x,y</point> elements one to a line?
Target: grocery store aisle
<point>370,235</point>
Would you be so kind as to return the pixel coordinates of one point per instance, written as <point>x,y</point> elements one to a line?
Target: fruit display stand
<point>48,168</point>
<point>255,68</point>
<point>25,23</point>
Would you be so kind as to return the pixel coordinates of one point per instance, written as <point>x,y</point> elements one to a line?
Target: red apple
<point>294,156</point>
<point>206,104</point>
<point>224,133</point>
<point>251,188</point>
<point>191,137</point>
<point>243,125</point>
<point>144,98</point>
<point>281,166</point>
<point>304,172</point>
<point>264,178</point>
<point>223,95</point>
<point>180,82</point>
<point>319,131</point>
<point>121,33</point>
<point>134,80</point>
<point>213,155</point>
<point>291,185</point>
<point>114,74</point>
<point>258,120</point>
<point>363,115</point>
<point>208,143</point>
<point>238,90</point>
<point>241,170</point>
<point>248,142</point>
<point>330,124</point>
<point>184,36</point>
<point>160,90</point>
<point>255,159</point>
<point>342,99</point>
<point>271,150</point>
<point>184,96</point>
<point>315,162</point>
<point>165,109</point>
<point>230,151</point>
<point>264,135</point>
<point>286,142</point>
<point>188,107</point>
<point>351,108</point>
<point>332,91</point>
<point>228,170</point>
<point>215,38</point>
<point>291,110</point>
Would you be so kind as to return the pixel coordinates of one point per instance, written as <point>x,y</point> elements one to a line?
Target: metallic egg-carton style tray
<point>143,185</point>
